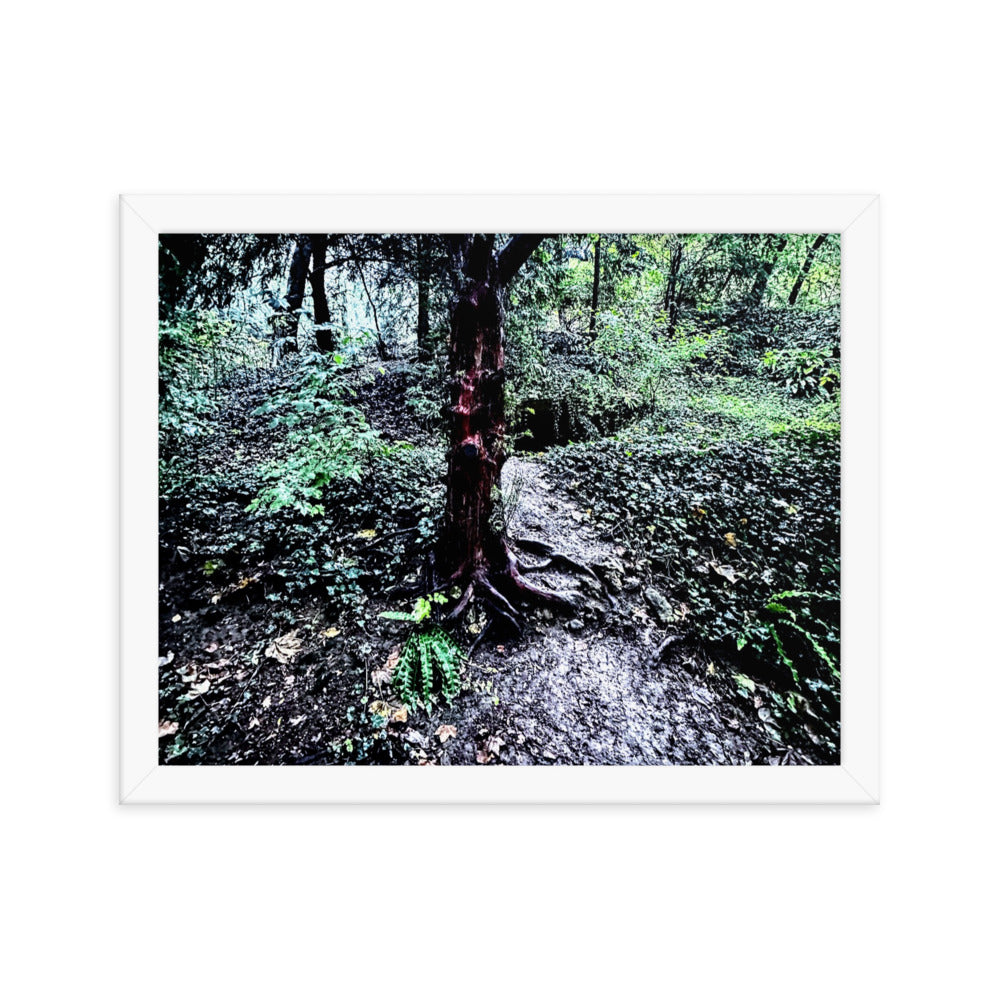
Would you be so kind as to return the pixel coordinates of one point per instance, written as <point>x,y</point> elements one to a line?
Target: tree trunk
<point>596,291</point>
<point>317,282</point>
<point>670,305</point>
<point>477,405</point>
<point>286,320</point>
<point>806,266</point>
<point>764,274</point>
<point>423,299</point>
<point>474,551</point>
<point>383,352</point>
<point>297,282</point>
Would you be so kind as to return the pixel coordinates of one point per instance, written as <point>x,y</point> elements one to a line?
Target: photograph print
<point>438,499</point>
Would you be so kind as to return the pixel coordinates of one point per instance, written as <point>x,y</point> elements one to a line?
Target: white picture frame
<point>144,216</point>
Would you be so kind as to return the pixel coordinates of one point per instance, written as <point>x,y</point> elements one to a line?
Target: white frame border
<point>855,216</point>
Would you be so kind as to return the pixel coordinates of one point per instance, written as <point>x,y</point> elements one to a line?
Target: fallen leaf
<point>176,618</point>
<point>285,648</point>
<point>211,647</point>
<point>332,633</point>
<point>296,720</point>
<point>400,715</point>
<point>367,533</point>
<point>382,708</point>
<point>445,733</point>
<point>216,598</point>
<point>494,743</point>
<point>253,722</point>
<point>730,538</point>
<point>483,757</point>
<point>266,703</point>
<point>726,572</point>
<point>201,688</point>
<point>168,728</point>
<point>475,629</point>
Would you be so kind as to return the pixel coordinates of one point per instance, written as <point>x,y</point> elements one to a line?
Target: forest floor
<point>247,677</point>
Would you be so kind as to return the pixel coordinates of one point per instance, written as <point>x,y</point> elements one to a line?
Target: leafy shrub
<point>803,371</point>
<point>327,442</point>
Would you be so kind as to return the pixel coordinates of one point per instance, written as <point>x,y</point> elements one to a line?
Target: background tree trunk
<point>596,291</point>
<point>296,287</point>
<point>806,266</point>
<point>383,351</point>
<point>423,299</point>
<point>317,282</point>
<point>670,305</point>
<point>764,274</point>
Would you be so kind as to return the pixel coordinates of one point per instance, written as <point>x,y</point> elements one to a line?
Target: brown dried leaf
<point>285,648</point>
<point>400,715</point>
<point>445,733</point>
<point>168,728</point>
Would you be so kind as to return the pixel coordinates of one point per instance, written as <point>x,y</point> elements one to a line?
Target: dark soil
<point>249,679</point>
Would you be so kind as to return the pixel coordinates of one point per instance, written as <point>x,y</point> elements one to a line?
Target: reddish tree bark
<point>475,553</point>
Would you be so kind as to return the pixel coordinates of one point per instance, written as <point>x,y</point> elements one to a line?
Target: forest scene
<point>499,499</point>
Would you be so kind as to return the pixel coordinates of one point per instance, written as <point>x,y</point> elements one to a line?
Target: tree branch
<point>518,249</point>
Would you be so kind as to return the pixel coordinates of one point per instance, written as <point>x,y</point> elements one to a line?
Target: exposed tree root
<point>544,549</point>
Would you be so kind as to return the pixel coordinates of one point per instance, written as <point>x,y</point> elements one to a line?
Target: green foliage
<point>327,441</point>
<point>803,371</point>
<point>430,660</point>
<point>790,625</point>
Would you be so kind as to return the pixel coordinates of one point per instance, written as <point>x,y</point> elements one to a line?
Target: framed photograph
<point>499,498</point>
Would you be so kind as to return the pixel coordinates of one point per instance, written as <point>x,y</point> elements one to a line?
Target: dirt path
<point>591,690</point>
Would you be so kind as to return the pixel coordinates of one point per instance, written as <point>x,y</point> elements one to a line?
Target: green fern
<point>429,659</point>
